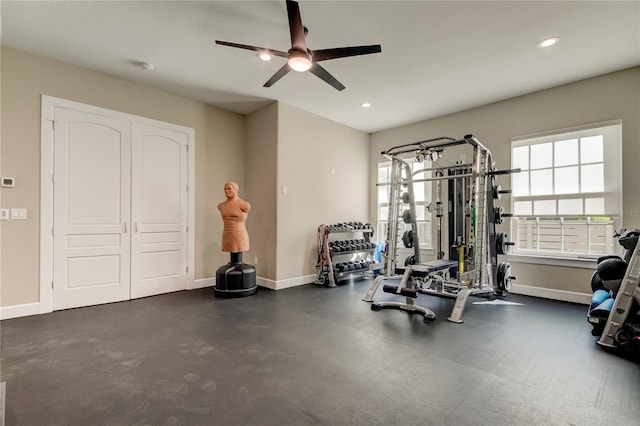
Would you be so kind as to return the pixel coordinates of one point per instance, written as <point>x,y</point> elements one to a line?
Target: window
<point>567,200</point>
<point>422,195</point>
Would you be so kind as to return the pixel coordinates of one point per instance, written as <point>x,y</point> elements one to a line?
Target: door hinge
<point>53,178</point>
<point>52,234</point>
<point>53,124</point>
<point>187,146</point>
<point>52,284</point>
<point>187,228</point>
<point>187,269</point>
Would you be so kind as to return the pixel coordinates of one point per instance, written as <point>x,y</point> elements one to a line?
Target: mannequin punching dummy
<point>235,279</point>
<point>234,211</point>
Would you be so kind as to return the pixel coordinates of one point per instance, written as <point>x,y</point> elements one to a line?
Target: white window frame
<point>591,223</point>
<point>382,220</point>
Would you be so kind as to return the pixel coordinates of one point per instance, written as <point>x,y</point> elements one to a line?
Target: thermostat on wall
<point>8,181</point>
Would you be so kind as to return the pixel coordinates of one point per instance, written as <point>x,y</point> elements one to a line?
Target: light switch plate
<point>18,214</point>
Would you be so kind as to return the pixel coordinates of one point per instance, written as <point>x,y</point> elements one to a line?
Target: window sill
<point>583,263</point>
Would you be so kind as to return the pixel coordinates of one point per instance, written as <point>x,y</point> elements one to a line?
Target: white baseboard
<point>550,293</point>
<point>17,311</point>
<point>294,282</point>
<point>262,282</point>
<point>282,284</point>
<point>202,283</point>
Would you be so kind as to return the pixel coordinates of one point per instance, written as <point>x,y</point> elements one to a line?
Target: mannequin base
<point>236,279</point>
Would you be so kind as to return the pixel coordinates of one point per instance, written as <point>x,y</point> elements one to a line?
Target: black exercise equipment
<point>504,276</point>
<point>596,282</point>
<point>410,260</point>
<point>502,243</point>
<point>499,214</point>
<point>401,291</point>
<point>472,268</point>
<point>611,269</point>
<point>235,279</point>
<point>497,191</point>
<point>614,311</point>
<point>407,217</point>
<point>407,239</point>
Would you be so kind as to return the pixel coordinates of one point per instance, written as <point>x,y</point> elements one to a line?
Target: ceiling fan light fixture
<point>548,42</point>
<point>264,56</point>
<point>300,58</point>
<point>299,62</point>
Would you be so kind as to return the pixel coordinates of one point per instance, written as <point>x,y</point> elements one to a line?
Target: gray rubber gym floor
<point>312,355</point>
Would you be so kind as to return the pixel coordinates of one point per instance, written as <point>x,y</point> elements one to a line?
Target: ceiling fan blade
<point>324,75</point>
<point>295,26</point>
<point>278,75</point>
<point>343,52</point>
<point>254,48</point>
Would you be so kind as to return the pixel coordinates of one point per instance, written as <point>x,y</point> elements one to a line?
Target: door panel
<point>81,271</point>
<point>159,211</point>
<point>91,209</point>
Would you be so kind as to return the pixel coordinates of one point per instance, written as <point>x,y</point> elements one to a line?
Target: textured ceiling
<point>437,57</point>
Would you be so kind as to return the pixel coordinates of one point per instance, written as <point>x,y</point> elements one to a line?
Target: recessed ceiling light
<point>366,105</point>
<point>264,56</point>
<point>548,42</point>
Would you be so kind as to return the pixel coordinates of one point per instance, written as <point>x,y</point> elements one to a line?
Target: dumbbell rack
<point>360,251</point>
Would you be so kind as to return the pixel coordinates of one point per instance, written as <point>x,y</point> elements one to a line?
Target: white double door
<point>120,209</point>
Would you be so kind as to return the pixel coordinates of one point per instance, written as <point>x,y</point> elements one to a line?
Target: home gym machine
<point>614,312</point>
<point>472,268</point>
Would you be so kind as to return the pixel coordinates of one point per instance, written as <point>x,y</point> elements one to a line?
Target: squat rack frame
<point>480,235</point>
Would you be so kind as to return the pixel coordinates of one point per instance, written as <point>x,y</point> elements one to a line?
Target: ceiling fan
<point>299,57</point>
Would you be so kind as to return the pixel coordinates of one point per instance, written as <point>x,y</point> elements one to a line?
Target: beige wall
<point>288,147</point>
<point>24,78</point>
<point>612,96</point>
<point>280,146</point>
<point>284,146</point>
<point>261,176</point>
<point>308,148</point>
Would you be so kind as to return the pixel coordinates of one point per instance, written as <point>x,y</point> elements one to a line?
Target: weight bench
<point>407,288</point>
